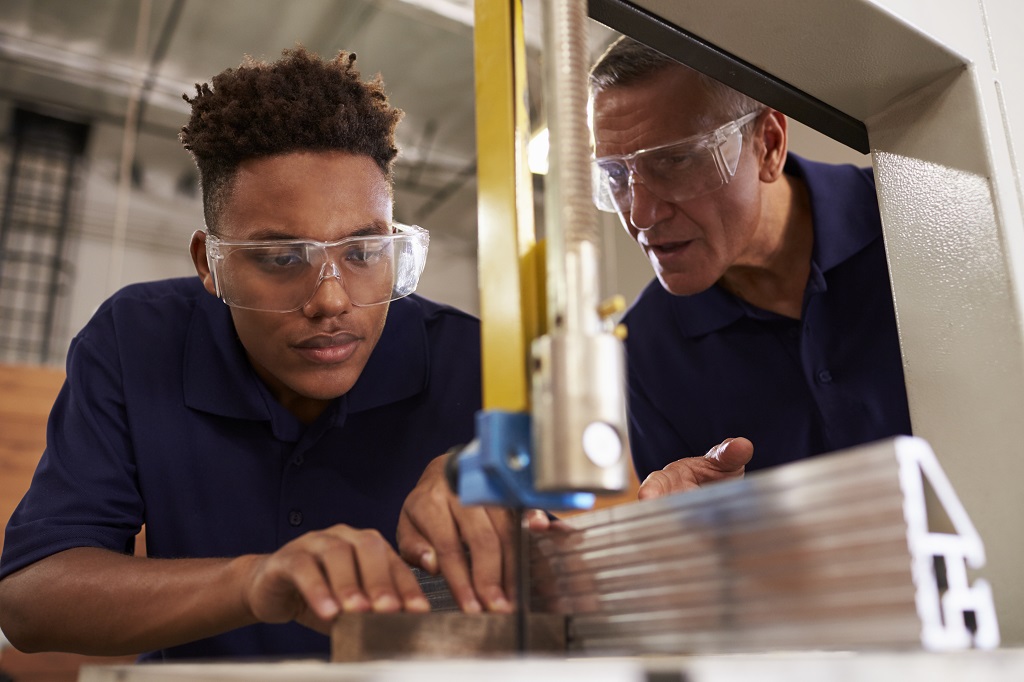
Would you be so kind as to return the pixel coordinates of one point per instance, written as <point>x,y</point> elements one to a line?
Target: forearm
<point>97,602</point>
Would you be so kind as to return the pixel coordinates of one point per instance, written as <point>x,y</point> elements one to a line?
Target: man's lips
<point>328,348</point>
<point>668,248</point>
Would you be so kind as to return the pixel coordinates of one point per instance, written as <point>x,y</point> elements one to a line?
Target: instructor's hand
<point>726,460</point>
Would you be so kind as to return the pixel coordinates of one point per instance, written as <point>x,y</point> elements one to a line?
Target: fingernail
<point>356,602</point>
<point>328,608</point>
<point>472,606</point>
<point>538,521</point>
<point>717,452</point>
<point>500,604</point>
<point>418,604</point>
<point>386,603</point>
<point>428,561</point>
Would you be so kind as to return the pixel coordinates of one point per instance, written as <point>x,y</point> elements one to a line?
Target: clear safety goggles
<point>674,172</point>
<point>283,275</point>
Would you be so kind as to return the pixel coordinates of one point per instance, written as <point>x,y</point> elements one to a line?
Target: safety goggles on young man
<point>673,172</point>
<point>283,275</point>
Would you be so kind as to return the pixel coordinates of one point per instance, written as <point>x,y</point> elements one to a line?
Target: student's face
<point>692,243</point>
<point>312,355</point>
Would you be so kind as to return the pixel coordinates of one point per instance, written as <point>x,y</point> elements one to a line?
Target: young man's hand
<point>63,602</point>
<point>471,546</point>
<point>323,573</point>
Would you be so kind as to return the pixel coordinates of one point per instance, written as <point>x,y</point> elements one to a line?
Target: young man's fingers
<point>415,549</point>
<point>358,570</point>
<point>373,557</point>
<point>307,575</point>
<point>427,520</point>
<point>338,564</point>
<point>508,533</point>
<point>537,520</point>
<point>434,545</point>
<point>408,588</point>
<point>455,569</point>
<point>426,527</point>
<point>487,552</point>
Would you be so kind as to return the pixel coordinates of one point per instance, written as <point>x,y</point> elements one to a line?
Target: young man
<point>772,316</point>
<point>268,444</point>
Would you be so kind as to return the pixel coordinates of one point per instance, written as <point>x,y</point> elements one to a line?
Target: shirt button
<point>295,517</point>
<point>297,460</point>
<point>825,376</point>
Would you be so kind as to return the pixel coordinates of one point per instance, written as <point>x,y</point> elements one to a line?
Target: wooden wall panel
<point>26,395</point>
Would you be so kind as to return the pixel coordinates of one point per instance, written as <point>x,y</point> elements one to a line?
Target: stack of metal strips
<point>809,555</point>
<point>435,589</point>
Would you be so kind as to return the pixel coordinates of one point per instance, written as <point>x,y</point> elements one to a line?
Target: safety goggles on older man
<point>283,275</point>
<point>673,172</point>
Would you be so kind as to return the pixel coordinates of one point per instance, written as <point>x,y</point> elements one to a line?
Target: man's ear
<point>197,249</point>
<point>773,134</point>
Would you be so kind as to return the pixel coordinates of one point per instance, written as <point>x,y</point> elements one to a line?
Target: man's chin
<point>327,390</point>
<point>682,285</point>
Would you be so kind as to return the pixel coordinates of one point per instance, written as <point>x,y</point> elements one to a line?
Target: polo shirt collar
<point>844,223</point>
<point>844,208</point>
<point>220,380</point>
<point>399,365</point>
<point>702,313</point>
<point>217,373</point>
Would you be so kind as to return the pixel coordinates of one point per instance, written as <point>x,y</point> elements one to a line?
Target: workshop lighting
<point>537,152</point>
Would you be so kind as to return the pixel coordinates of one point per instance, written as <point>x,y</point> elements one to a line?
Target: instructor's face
<point>691,243</point>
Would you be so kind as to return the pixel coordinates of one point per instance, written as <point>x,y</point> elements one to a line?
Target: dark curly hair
<point>298,103</point>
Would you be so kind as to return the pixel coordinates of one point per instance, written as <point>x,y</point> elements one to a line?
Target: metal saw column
<point>579,366</point>
<point>507,243</point>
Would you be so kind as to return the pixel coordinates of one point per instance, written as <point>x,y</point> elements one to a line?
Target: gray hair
<point>627,61</point>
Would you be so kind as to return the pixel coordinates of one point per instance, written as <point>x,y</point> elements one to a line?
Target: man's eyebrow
<point>270,235</point>
<point>371,229</point>
<point>274,234</point>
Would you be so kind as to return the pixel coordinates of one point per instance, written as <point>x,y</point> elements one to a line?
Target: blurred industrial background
<point>96,191</point>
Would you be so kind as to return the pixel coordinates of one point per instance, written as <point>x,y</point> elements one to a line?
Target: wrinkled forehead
<point>668,106</point>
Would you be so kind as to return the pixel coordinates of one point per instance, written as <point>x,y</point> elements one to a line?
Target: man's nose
<point>644,205</point>
<point>330,297</point>
<point>328,270</point>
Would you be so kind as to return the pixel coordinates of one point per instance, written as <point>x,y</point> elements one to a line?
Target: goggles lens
<point>283,275</point>
<point>674,172</point>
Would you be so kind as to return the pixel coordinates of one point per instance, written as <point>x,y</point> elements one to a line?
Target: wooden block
<point>450,634</point>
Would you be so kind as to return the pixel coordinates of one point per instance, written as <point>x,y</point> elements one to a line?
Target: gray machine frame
<point>934,94</point>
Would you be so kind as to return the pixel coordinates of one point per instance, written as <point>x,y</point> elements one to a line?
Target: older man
<point>771,317</point>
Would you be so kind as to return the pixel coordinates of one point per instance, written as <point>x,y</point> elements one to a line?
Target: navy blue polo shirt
<point>710,366</point>
<point>163,421</point>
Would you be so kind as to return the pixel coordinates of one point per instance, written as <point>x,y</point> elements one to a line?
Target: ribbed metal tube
<point>571,223</point>
<point>578,382</point>
<point>566,101</point>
